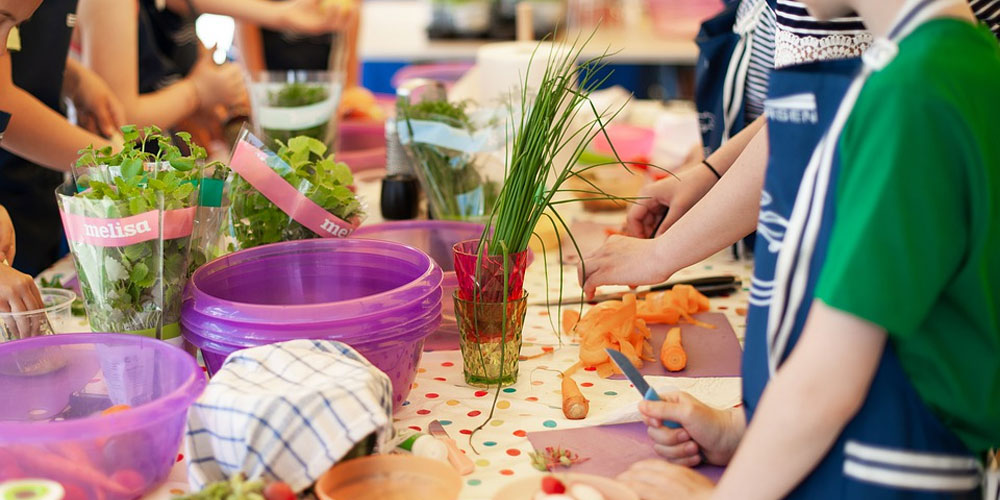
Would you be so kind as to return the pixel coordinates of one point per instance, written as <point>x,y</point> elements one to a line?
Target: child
<point>873,361</point>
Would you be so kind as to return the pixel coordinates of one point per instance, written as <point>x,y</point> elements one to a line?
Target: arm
<point>726,214</point>
<point>110,47</point>
<point>311,17</point>
<point>37,132</point>
<point>251,44</point>
<point>801,412</point>
<point>692,181</point>
<point>97,108</point>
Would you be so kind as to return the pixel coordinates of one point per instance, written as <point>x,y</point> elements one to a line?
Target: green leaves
<point>254,220</point>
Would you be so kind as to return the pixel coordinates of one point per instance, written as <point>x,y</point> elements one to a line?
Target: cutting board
<point>710,352</point>
<point>610,449</point>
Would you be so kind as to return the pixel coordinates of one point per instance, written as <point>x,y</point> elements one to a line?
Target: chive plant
<point>551,122</point>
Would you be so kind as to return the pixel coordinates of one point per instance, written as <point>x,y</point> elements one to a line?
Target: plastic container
<point>382,298</point>
<point>390,477</point>
<point>54,390</point>
<point>291,103</point>
<point>362,145</point>
<point>55,317</point>
<point>435,237</point>
<point>681,18</point>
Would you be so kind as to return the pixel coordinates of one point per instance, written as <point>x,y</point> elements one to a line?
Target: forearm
<point>801,414</point>
<point>730,151</point>
<point>71,77</point>
<point>251,46</point>
<point>40,134</point>
<point>725,214</point>
<point>261,12</point>
<point>165,107</point>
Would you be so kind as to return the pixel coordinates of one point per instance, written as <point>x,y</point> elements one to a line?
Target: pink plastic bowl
<point>53,391</point>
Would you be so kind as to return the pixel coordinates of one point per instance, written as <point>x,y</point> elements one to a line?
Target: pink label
<point>251,164</point>
<point>128,230</point>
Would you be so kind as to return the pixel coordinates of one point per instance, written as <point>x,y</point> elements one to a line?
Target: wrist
<point>193,93</point>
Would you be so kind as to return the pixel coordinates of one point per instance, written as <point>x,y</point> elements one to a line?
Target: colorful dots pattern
<point>549,423</point>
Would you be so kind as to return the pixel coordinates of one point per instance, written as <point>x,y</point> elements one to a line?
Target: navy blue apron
<point>25,188</point>
<point>168,46</point>
<point>716,42</point>
<point>894,447</point>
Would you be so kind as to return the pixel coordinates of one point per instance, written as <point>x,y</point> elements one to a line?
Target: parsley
<point>135,287</point>
<point>254,220</point>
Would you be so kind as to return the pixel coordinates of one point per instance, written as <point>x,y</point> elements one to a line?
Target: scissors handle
<point>651,395</point>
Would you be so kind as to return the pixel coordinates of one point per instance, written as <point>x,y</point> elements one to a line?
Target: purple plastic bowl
<point>397,356</point>
<point>434,237</point>
<point>310,287</point>
<point>54,389</point>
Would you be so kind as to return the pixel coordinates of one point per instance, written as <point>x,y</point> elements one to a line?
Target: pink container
<point>54,390</point>
<point>681,18</point>
<point>362,145</point>
<point>447,73</point>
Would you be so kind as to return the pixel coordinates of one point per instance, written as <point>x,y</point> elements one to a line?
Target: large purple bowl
<point>54,390</point>
<point>360,292</point>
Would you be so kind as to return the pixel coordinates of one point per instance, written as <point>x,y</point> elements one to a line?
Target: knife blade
<point>633,375</point>
<point>462,463</point>
<point>710,286</point>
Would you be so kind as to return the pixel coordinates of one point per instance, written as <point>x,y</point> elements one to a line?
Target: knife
<point>637,380</point>
<point>462,463</point>
<point>711,286</point>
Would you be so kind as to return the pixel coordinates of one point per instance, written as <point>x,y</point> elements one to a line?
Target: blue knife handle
<point>651,395</point>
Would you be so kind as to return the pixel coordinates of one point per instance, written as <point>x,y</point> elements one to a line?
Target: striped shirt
<point>761,59</point>
<point>800,38</point>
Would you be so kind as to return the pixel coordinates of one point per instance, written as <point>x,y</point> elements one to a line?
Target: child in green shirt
<point>891,384</point>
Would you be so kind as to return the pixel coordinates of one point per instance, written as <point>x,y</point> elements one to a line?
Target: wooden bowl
<point>390,477</point>
<point>526,488</point>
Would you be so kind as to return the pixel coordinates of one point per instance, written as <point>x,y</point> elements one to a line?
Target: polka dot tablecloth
<point>534,402</point>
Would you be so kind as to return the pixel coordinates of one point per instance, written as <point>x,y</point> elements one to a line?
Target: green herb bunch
<point>560,118</point>
<point>135,288</point>
<point>294,95</point>
<point>451,178</point>
<point>303,163</point>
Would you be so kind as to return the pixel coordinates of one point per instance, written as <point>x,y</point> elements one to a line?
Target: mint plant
<point>294,95</point>
<point>134,287</point>
<point>303,163</point>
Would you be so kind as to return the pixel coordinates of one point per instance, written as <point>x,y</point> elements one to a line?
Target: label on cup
<point>124,374</point>
<point>128,230</point>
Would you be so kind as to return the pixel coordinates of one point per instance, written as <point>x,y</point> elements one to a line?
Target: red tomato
<point>279,491</point>
<point>552,486</point>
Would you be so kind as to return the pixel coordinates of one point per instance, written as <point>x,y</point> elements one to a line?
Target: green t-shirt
<point>916,241</point>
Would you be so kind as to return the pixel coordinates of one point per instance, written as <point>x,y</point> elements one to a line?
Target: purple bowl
<point>310,287</point>
<point>434,237</point>
<point>397,355</point>
<point>54,390</point>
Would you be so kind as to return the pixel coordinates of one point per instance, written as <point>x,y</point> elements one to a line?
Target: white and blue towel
<point>286,412</point>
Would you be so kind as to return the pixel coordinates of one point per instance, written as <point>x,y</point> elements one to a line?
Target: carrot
<point>571,370</point>
<point>574,405</point>
<point>115,409</point>
<point>569,321</point>
<point>672,353</point>
<point>606,369</point>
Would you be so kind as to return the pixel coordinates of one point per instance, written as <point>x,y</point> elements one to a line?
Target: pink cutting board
<point>710,352</point>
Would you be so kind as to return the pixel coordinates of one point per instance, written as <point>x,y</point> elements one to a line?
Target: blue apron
<point>894,447</point>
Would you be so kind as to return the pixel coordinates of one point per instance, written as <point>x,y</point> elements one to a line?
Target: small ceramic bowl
<point>390,477</point>
<point>526,488</point>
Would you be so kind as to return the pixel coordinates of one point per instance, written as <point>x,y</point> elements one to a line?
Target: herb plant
<point>303,163</point>
<point>559,118</point>
<point>294,95</point>
<point>134,288</point>
<point>451,178</point>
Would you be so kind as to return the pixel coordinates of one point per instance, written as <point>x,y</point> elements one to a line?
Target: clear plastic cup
<point>55,317</point>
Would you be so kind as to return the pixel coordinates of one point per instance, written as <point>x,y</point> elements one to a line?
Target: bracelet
<point>710,167</point>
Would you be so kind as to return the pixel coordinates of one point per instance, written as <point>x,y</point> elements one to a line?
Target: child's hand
<point>706,433</point>
<point>657,479</point>
<point>7,242</point>
<point>622,260</point>
<point>18,293</point>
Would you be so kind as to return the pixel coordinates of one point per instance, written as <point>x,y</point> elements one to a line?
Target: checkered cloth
<point>287,412</point>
